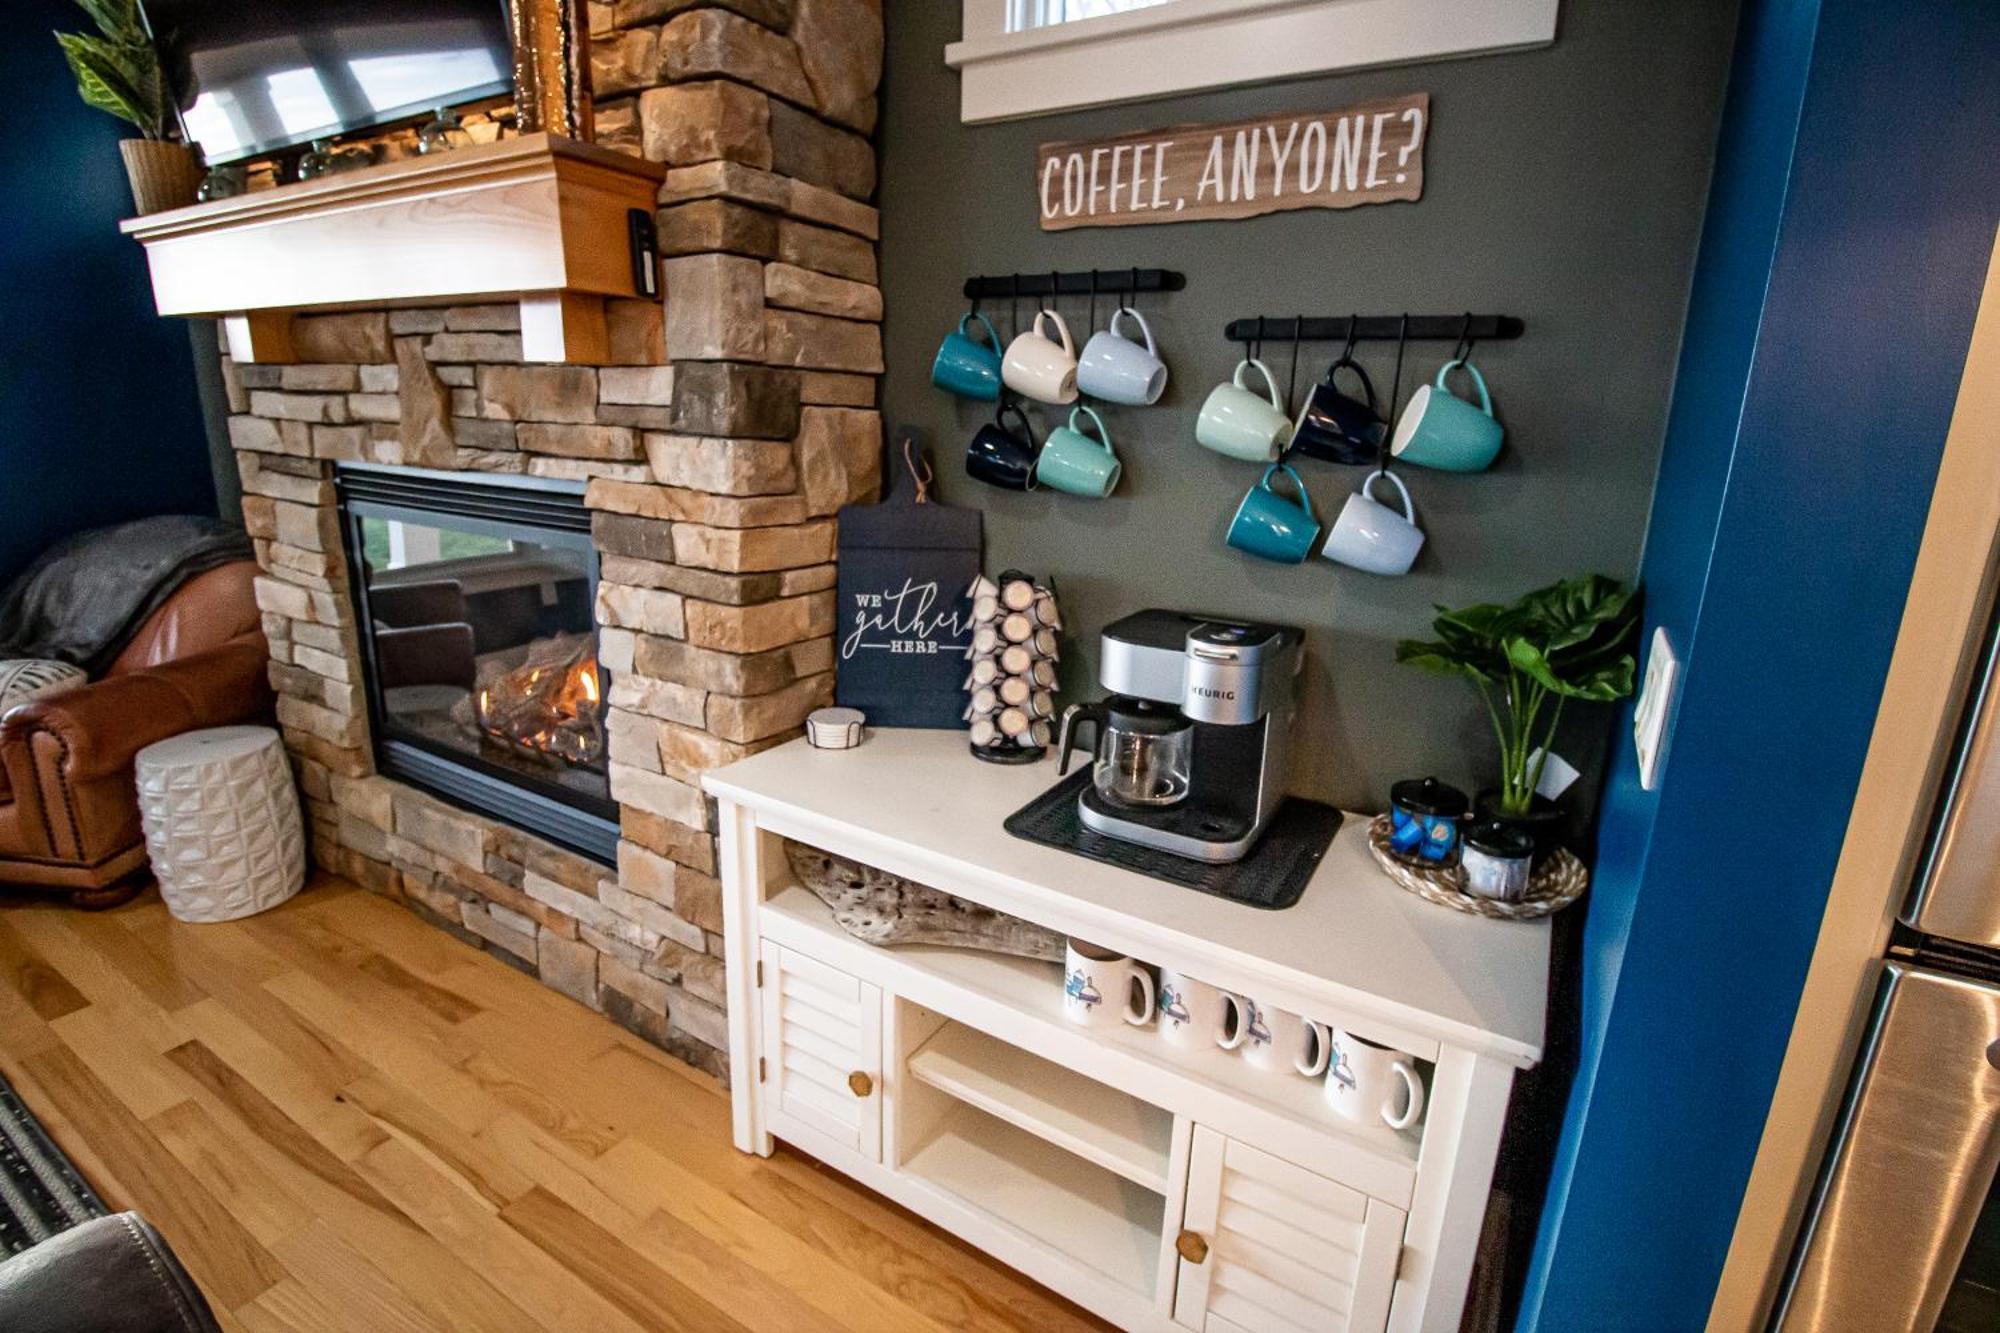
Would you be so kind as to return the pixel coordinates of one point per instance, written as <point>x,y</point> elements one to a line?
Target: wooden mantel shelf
<point>538,219</point>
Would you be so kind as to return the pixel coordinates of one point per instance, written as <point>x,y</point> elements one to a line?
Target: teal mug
<point>1443,431</point>
<point>1072,461</point>
<point>1272,527</point>
<point>967,367</point>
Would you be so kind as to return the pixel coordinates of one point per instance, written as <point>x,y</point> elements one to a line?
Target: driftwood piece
<point>881,908</point>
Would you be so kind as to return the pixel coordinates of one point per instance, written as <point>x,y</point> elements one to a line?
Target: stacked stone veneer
<point>737,419</point>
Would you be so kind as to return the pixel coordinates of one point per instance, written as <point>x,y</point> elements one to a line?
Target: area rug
<point>40,1192</point>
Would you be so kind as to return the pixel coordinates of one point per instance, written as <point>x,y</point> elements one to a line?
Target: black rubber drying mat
<point>1272,876</point>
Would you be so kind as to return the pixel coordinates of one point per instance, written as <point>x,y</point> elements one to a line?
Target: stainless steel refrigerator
<point>1904,1228</point>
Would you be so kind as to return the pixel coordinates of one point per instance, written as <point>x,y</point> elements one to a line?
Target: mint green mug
<point>1072,461</point>
<point>1443,431</point>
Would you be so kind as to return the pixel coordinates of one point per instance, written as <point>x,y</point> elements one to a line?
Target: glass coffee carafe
<point>1144,756</point>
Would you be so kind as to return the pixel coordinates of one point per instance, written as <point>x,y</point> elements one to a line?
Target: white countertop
<point>917,803</point>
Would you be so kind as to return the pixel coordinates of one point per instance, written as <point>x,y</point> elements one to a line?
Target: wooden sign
<point>905,618</point>
<point>1371,153</point>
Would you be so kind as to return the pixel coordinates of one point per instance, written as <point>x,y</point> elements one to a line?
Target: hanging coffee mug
<point>1272,527</point>
<point>1371,536</point>
<point>1335,427</point>
<point>967,367</point>
<point>1241,424</point>
<point>1441,430</point>
<point>1072,461</point>
<point>1040,367</point>
<point>1118,370</point>
<point>1365,1082</point>
<point>1002,457</point>
<point>1101,987</point>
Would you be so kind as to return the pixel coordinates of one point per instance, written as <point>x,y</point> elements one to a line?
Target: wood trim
<point>1196,44</point>
<point>1943,619</point>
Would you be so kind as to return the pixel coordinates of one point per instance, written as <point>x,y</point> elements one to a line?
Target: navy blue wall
<point>1849,228</point>
<point>99,419</point>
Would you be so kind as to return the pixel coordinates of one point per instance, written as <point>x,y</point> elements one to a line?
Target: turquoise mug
<point>967,367</point>
<point>1443,431</point>
<point>1072,461</point>
<point>1272,527</point>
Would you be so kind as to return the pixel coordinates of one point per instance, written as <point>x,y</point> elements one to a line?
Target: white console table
<point>1160,1191</point>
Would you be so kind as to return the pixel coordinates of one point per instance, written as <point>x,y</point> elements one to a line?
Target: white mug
<point>1276,1040</point>
<point>1039,367</point>
<point>1195,1015</point>
<point>1364,1082</point>
<point>1100,987</point>
<point>1371,536</point>
<point>1118,370</point>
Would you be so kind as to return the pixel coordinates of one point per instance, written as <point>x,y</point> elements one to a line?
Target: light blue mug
<point>1072,461</point>
<point>1443,431</point>
<point>967,367</point>
<point>1272,527</point>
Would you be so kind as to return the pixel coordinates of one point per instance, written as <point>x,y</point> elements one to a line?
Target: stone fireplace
<point>708,459</point>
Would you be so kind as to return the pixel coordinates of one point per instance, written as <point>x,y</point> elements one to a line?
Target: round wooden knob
<point>860,1084</point>
<point>1192,1247</point>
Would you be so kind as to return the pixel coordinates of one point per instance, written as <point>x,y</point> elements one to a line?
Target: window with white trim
<point>1020,58</point>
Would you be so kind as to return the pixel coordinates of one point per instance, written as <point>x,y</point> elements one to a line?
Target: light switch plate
<point>1655,706</point>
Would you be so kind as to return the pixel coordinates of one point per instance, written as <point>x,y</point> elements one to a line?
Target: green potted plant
<point>117,71</point>
<point>1570,640</point>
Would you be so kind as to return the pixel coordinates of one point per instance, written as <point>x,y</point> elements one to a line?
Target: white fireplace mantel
<point>538,219</point>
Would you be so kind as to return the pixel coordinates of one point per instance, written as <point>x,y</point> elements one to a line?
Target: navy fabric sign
<point>905,620</point>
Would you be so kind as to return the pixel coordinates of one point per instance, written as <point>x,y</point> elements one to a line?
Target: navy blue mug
<point>1336,427</point>
<point>1002,457</point>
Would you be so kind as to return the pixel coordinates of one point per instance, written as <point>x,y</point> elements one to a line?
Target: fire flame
<point>549,709</point>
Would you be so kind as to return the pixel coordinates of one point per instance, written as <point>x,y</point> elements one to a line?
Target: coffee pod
<point>985,609</point>
<point>1013,722</point>
<point>1018,594</point>
<point>985,641</point>
<point>1039,732</point>
<point>1017,628</point>
<point>984,699</point>
<point>1014,691</point>
<point>984,732</point>
<point>984,672</point>
<point>1044,674</point>
<point>1015,659</point>
<point>1044,611</point>
<point>1042,704</point>
<point>1424,817</point>
<point>1045,644</point>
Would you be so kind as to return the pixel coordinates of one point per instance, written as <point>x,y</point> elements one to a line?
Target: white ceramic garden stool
<point>222,822</point>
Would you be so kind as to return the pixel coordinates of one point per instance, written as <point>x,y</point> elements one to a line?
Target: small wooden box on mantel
<point>538,218</point>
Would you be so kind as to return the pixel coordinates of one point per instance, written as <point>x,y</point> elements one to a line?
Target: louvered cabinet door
<point>822,1052</point>
<point>1269,1247</point>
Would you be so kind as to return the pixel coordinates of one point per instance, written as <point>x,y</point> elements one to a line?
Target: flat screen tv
<point>258,76</point>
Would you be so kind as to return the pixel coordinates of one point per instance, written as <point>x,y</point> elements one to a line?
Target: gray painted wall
<point>1564,186</point>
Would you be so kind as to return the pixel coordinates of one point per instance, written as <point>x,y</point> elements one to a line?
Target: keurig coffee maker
<point>1190,748</point>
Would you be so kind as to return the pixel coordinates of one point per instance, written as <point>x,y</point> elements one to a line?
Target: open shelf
<point>1100,1124</point>
<point>1019,1000</point>
<point>1053,1198</point>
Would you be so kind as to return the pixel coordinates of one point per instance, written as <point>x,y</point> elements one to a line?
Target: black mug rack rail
<point>1376,328</point>
<point>1103,281</point>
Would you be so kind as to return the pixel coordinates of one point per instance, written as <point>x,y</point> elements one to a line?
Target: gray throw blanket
<point>87,595</point>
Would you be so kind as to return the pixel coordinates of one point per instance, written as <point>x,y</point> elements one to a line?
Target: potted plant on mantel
<point>118,71</point>
<point>1570,640</point>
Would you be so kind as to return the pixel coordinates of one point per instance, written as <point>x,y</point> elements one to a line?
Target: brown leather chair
<point>69,817</point>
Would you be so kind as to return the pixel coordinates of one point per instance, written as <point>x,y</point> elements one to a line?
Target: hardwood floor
<point>344,1119</point>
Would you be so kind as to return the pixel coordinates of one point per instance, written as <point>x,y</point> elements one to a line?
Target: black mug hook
<point>1055,290</point>
<point>1353,332</point>
<point>1298,333</point>
<point>1132,297</point>
<point>1014,305</point>
<point>1395,392</point>
<point>1464,347</point>
<point>1093,300</point>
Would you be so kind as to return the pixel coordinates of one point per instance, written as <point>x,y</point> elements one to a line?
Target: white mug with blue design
<point>1279,1041</point>
<point>1101,987</point>
<point>1195,1016</point>
<point>1366,1082</point>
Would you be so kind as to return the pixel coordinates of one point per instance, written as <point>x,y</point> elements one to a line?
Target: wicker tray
<point>1559,880</point>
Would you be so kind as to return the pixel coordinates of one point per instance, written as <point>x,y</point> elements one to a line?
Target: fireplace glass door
<point>475,600</point>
